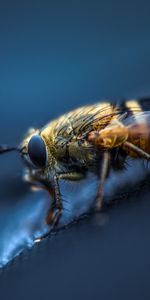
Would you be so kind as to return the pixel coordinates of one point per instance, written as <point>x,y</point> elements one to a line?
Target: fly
<point>94,138</point>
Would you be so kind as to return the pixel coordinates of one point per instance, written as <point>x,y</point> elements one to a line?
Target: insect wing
<point>137,118</point>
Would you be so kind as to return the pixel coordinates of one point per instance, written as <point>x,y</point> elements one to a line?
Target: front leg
<point>56,209</point>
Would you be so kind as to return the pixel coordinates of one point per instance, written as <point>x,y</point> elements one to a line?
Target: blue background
<point>54,56</point>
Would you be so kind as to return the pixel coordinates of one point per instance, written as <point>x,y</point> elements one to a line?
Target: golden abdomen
<point>138,135</point>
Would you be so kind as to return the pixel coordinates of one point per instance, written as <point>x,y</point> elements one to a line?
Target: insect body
<point>133,138</point>
<point>92,138</point>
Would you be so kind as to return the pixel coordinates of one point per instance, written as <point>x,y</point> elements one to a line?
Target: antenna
<point>4,149</point>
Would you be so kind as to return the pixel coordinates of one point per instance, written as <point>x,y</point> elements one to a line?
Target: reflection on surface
<point>24,222</point>
<point>21,224</point>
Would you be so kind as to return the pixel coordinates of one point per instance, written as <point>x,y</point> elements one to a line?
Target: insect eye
<point>37,151</point>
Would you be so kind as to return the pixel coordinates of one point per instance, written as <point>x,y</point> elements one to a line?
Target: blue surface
<point>55,56</point>
<point>24,222</point>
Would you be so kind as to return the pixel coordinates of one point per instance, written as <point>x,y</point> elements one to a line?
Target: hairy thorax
<point>66,150</point>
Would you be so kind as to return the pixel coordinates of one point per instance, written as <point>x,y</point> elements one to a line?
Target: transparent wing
<point>136,119</point>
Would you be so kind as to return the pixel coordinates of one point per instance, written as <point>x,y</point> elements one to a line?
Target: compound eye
<point>37,151</point>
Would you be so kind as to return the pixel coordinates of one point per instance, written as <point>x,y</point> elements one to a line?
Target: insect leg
<point>103,175</point>
<point>137,150</point>
<point>74,176</point>
<point>57,203</point>
<point>53,217</point>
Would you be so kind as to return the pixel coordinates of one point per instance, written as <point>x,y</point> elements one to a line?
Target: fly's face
<point>34,153</point>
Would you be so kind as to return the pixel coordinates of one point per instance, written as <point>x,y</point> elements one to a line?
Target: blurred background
<point>55,56</point>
